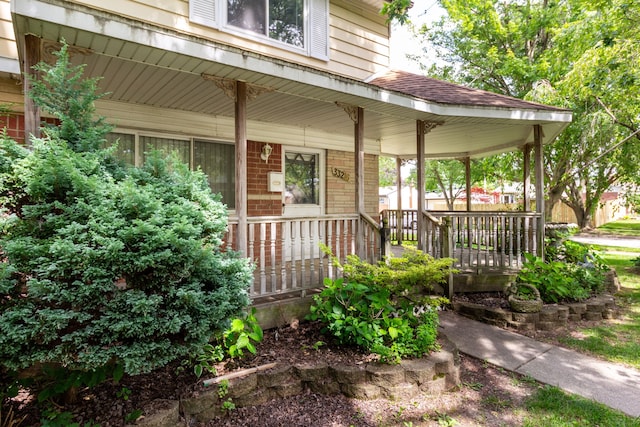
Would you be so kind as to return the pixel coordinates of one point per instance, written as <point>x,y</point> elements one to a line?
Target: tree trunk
<point>555,196</point>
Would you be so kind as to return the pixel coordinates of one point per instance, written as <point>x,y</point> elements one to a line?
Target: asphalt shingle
<point>442,92</point>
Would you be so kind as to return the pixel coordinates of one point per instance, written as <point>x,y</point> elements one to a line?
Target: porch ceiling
<point>165,70</point>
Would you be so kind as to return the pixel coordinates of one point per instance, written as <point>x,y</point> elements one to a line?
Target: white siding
<point>151,119</point>
<point>8,49</point>
<point>359,36</point>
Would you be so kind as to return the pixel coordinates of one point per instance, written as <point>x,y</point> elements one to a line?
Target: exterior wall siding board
<point>11,93</point>
<point>155,119</point>
<point>364,59</point>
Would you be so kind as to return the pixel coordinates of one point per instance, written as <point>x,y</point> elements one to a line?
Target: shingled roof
<point>442,92</point>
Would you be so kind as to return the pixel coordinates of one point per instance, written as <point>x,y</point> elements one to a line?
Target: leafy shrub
<point>241,334</point>
<point>410,277</point>
<point>559,281</point>
<point>104,266</point>
<point>384,308</point>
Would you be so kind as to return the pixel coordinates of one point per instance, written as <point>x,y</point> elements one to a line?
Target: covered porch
<point>175,86</point>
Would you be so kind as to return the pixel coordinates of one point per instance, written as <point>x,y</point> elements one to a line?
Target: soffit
<point>170,76</point>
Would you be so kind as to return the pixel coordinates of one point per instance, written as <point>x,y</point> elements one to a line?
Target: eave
<point>147,58</point>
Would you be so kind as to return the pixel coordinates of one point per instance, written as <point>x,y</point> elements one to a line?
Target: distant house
<point>286,114</point>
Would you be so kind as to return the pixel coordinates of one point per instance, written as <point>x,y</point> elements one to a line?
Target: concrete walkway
<point>613,385</point>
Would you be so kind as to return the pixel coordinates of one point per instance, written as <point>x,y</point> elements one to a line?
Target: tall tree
<point>577,54</point>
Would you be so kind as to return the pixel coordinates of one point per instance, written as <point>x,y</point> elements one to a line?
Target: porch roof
<point>148,65</point>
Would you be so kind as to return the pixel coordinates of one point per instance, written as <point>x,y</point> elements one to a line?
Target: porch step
<point>482,282</point>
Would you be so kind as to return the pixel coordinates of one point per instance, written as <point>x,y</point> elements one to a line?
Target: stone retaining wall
<point>438,372</point>
<point>552,316</point>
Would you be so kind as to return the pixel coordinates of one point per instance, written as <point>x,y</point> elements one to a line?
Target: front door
<point>303,198</point>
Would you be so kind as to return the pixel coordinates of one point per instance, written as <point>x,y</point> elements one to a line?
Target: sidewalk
<point>613,385</point>
<point>604,239</point>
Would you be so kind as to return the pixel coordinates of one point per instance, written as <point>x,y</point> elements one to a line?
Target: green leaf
<point>118,372</point>
<point>197,369</point>
<point>393,332</point>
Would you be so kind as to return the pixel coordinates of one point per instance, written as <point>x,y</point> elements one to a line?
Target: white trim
<point>306,210</point>
<point>344,88</point>
<point>263,38</point>
<point>9,65</point>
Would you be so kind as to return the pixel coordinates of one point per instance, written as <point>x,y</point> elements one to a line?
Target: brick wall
<point>260,201</point>
<point>14,124</point>
<point>340,193</point>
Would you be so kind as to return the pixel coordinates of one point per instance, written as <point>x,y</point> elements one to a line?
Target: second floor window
<point>281,20</point>
<point>298,25</point>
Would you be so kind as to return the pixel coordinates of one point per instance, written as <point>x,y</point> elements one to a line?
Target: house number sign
<point>339,173</point>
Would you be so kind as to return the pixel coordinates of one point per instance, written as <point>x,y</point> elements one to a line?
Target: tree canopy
<point>577,54</point>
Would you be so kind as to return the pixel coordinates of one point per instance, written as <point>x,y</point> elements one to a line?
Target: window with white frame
<point>216,159</point>
<point>301,25</point>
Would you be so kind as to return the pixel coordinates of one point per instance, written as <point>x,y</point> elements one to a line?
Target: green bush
<point>384,308</point>
<point>410,277</point>
<point>242,334</point>
<point>104,266</point>
<point>561,281</point>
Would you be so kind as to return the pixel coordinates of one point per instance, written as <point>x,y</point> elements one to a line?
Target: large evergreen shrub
<point>104,265</point>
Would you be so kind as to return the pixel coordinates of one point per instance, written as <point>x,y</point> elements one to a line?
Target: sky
<point>403,42</point>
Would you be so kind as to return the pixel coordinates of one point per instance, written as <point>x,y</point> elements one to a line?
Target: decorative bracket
<point>429,126</point>
<point>254,91</point>
<point>229,87</point>
<point>351,110</point>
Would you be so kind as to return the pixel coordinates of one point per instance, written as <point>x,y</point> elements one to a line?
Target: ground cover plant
<point>384,308</point>
<point>571,271</point>
<point>106,269</point>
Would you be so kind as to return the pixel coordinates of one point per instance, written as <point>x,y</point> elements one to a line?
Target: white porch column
<point>32,56</point>
<point>241,165</point>
<point>539,174</point>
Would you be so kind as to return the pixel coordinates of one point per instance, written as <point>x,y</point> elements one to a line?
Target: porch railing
<point>287,252</point>
<point>490,240</point>
<point>478,240</point>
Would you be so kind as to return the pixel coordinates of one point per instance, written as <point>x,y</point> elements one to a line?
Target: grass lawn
<point>623,227</point>
<point>551,407</point>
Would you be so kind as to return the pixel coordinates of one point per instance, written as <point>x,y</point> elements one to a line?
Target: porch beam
<point>539,175</point>
<point>241,165</point>
<point>421,132</point>
<point>32,56</point>
<point>526,178</point>
<point>359,164</point>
